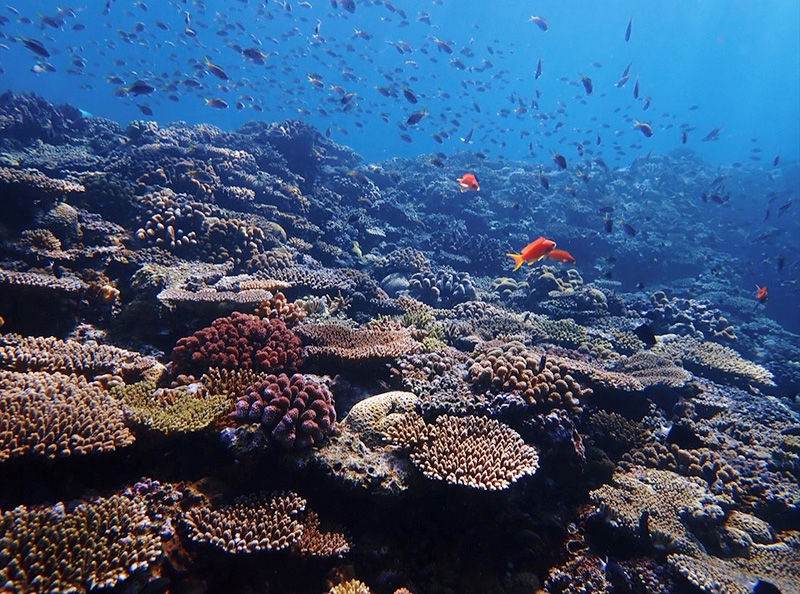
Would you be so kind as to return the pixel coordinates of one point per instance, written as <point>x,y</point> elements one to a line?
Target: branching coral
<point>55,415</point>
<point>472,451</point>
<point>239,341</point>
<point>94,545</point>
<point>260,522</point>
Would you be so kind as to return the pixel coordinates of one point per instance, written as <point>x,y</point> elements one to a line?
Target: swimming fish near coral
<point>762,294</point>
<point>561,256</point>
<point>533,252</point>
<point>469,183</point>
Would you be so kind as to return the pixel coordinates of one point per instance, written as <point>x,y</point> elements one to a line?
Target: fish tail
<point>518,260</point>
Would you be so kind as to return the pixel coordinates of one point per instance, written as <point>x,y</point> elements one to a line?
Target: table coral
<point>239,341</point>
<point>472,451</point>
<point>375,341</point>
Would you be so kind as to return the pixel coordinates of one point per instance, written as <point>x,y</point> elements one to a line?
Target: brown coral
<point>510,367</point>
<point>94,545</point>
<point>259,522</point>
<point>317,543</point>
<point>37,183</point>
<point>56,415</point>
<point>280,307</point>
<point>367,417</point>
<point>473,451</point>
<point>375,341</point>
<point>42,282</point>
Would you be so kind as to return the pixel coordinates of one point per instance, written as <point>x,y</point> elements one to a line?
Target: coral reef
<point>379,340</point>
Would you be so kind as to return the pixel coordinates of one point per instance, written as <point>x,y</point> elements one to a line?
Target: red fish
<point>561,256</point>
<point>469,183</point>
<point>533,252</point>
<point>761,294</point>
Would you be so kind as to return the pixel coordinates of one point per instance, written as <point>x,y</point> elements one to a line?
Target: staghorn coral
<point>95,544</point>
<point>295,412</point>
<point>472,451</point>
<point>713,360</point>
<point>183,409</point>
<point>56,415</point>
<point>239,341</point>
<point>317,543</point>
<point>375,341</point>
<point>368,417</point>
<point>510,367</point>
<point>47,353</point>
<point>258,522</point>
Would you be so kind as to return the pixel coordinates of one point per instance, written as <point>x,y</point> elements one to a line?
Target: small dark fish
<point>598,139</point>
<point>713,135</point>
<point>628,30</point>
<point>140,87</point>
<point>35,46</point>
<point>216,70</point>
<point>416,117</point>
<point>636,89</point>
<point>559,160</point>
<point>538,70</point>
<point>684,137</point>
<point>621,82</point>
<point>580,150</point>
<point>781,261</point>
<point>543,180</point>
<point>145,110</point>
<point>627,69</point>
<point>217,103</point>
<point>643,127</point>
<point>542,363</point>
<point>608,223</point>
<point>646,335</point>
<point>409,95</point>
<point>587,84</point>
<point>348,5</point>
<point>358,177</point>
<point>539,21</point>
<point>468,138</point>
<point>629,229</point>
<point>443,46</point>
<point>436,162</point>
<point>202,176</point>
<point>777,160</point>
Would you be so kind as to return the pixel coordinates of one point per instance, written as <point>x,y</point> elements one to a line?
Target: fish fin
<point>518,260</point>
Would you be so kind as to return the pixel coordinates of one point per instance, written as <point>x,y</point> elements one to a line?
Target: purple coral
<point>295,412</point>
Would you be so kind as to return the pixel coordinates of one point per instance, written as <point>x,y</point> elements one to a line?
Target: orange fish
<point>533,252</point>
<point>469,183</point>
<point>561,256</point>
<point>761,294</point>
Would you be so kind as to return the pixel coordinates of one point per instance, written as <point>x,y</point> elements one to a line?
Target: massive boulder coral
<point>294,411</point>
<point>96,544</point>
<point>472,451</point>
<point>56,415</point>
<point>239,341</point>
